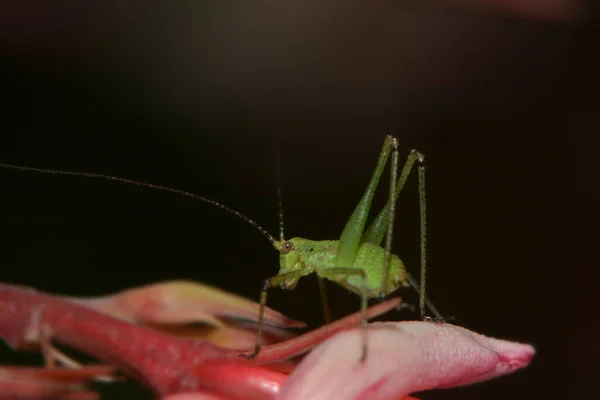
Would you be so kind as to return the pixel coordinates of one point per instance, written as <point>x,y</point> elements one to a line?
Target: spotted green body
<point>311,256</point>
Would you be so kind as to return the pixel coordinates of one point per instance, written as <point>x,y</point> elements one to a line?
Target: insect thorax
<point>308,256</point>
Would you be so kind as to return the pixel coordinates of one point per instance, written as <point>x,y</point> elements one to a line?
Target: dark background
<point>503,103</point>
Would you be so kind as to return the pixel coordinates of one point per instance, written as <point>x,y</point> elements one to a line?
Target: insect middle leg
<point>324,300</point>
<point>335,274</point>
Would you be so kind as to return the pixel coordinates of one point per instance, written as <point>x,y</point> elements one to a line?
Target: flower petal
<point>403,358</point>
<point>190,309</point>
<point>179,302</point>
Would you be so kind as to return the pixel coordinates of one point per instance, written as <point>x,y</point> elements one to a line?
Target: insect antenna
<point>143,184</point>
<point>279,191</point>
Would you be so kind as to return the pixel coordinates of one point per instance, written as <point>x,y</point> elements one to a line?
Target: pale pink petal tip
<point>403,358</point>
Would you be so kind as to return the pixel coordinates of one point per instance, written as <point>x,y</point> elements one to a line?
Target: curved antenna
<point>144,184</point>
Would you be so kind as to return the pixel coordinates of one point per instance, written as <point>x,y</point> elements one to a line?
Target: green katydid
<point>356,261</point>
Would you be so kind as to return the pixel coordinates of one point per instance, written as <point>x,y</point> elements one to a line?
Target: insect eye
<point>286,247</point>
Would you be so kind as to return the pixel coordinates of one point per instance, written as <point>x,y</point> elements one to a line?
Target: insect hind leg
<point>437,316</point>
<point>383,222</point>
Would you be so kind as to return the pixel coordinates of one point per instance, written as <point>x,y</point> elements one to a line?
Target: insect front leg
<point>334,274</point>
<point>273,281</point>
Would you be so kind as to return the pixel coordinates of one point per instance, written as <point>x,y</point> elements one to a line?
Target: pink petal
<point>194,310</point>
<point>403,358</point>
<point>183,302</point>
<point>192,396</point>
<point>233,380</point>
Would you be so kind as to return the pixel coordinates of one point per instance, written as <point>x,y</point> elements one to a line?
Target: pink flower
<point>404,357</point>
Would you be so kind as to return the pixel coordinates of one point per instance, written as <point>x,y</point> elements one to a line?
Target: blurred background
<point>502,97</point>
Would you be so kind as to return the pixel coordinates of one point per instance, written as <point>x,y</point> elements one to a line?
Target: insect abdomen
<point>371,259</point>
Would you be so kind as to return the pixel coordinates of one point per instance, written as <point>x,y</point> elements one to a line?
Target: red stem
<point>163,363</point>
<point>153,358</point>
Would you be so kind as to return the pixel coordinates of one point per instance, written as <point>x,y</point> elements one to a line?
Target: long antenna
<point>144,184</point>
<point>279,195</point>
